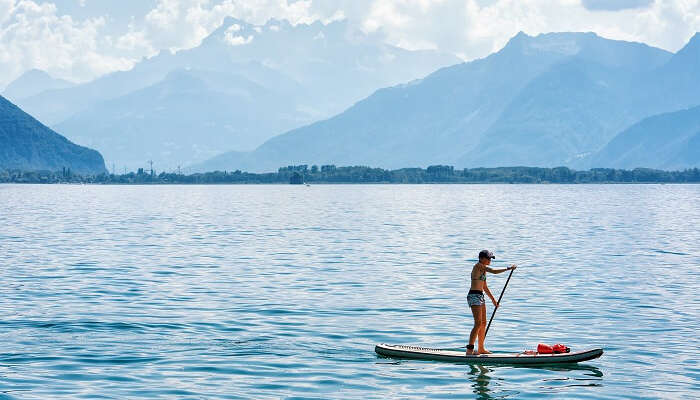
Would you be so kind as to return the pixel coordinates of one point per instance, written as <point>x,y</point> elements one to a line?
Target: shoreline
<point>341,183</point>
<point>351,175</point>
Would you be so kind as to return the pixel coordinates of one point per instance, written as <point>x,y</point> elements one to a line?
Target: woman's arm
<point>500,270</point>
<point>488,292</point>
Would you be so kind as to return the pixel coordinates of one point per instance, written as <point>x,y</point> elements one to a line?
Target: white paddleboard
<point>423,353</point>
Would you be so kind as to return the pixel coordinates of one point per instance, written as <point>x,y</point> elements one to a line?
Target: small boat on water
<point>424,353</point>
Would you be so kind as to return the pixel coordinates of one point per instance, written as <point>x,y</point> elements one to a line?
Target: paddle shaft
<point>498,302</point>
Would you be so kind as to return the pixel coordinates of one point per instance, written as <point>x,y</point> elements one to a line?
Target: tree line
<point>300,174</point>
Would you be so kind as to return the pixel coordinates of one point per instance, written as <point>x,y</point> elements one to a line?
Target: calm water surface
<point>281,291</point>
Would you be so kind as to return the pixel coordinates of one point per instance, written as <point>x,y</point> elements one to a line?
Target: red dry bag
<point>544,349</point>
<point>556,349</point>
<point>560,348</point>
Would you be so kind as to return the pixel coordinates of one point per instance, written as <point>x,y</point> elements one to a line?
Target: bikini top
<point>481,277</point>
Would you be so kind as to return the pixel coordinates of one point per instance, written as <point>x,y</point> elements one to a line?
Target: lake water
<point>282,291</point>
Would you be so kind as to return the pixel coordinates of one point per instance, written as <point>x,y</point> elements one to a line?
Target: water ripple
<point>281,292</point>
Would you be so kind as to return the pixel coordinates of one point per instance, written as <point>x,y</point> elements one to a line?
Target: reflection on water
<point>480,381</point>
<point>580,375</point>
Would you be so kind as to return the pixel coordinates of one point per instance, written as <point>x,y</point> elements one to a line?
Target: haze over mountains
<point>666,141</point>
<point>259,97</point>
<point>241,86</point>
<point>32,83</point>
<point>550,100</point>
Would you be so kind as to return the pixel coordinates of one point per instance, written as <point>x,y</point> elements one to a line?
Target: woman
<point>476,301</point>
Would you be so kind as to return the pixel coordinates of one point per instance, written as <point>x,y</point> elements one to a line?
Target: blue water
<point>282,291</point>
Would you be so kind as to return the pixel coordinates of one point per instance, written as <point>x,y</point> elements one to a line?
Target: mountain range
<point>241,86</point>
<point>555,99</point>
<point>26,144</point>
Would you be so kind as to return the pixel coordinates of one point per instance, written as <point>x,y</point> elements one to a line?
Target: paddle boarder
<point>476,301</point>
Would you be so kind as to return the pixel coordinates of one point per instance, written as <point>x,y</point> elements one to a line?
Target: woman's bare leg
<point>477,325</point>
<point>482,330</point>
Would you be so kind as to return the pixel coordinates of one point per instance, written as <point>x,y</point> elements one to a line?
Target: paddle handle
<point>498,302</point>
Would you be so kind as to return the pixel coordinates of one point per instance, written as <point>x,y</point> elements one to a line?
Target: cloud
<point>32,35</point>
<point>235,40</point>
<point>182,24</point>
<point>473,28</point>
<point>613,5</point>
<point>238,40</point>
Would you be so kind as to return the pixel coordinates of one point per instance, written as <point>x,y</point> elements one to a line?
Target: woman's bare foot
<point>470,352</point>
<point>484,351</point>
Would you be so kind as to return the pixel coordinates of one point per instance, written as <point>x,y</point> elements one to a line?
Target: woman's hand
<point>495,304</point>
<point>513,267</point>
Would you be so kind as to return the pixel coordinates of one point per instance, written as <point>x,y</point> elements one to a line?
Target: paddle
<point>498,302</point>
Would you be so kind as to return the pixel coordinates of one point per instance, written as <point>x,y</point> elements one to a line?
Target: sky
<point>80,40</point>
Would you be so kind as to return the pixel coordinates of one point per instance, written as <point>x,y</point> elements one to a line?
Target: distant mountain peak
<point>517,40</point>
<point>693,44</point>
<point>565,43</point>
<point>32,82</point>
<point>35,73</point>
<point>273,24</point>
<point>689,56</point>
<point>228,21</point>
<point>236,32</point>
<point>587,46</point>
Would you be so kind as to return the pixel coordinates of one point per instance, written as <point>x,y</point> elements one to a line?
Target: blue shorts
<point>476,298</point>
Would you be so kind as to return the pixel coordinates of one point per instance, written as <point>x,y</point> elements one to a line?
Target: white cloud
<point>234,39</point>
<point>474,28</point>
<point>181,24</point>
<point>34,35</point>
<point>238,40</point>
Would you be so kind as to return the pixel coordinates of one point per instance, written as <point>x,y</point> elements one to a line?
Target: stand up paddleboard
<point>423,353</point>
